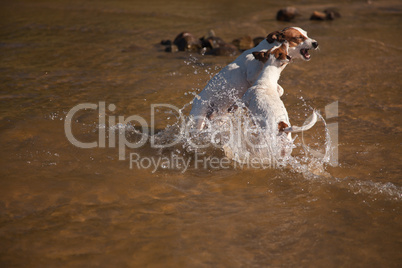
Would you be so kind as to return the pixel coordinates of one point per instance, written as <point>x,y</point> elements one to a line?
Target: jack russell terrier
<point>231,82</point>
<point>263,99</point>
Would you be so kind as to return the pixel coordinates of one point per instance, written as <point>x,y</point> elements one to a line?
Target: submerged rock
<point>328,14</point>
<point>224,50</point>
<point>317,15</point>
<point>210,44</point>
<point>332,13</point>
<point>287,14</point>
<point>166,42</point>
<point>185,41</point>
<point>172,48</point>
<point>243,43</point>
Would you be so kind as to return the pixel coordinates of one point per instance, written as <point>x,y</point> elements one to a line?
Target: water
<point>63,205</point>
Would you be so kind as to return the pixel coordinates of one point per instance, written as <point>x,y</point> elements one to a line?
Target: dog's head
<point>278,55</point>
<point>299,42</point>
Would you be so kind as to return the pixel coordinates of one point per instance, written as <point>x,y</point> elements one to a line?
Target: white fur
<point>232,81</point>
<point>267,109</point>
<point>263,100</point>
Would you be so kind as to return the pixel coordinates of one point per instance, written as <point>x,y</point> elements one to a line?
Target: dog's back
<point>227,86</point>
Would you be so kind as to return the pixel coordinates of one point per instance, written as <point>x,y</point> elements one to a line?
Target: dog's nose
<point>315,44</point>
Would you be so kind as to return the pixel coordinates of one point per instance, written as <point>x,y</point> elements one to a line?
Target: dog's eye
<point>280,55</point>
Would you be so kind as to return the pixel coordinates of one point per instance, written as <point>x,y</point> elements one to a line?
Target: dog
<point>264,103</point>
<point>232,81</point>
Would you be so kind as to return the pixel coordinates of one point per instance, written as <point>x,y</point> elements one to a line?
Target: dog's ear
<point>275,36</point>
<point>261,56</point>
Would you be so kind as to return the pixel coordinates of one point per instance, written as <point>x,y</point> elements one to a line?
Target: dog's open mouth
<point>304,53</point>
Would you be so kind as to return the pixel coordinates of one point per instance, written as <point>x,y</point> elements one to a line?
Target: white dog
<point>232,81</point>
<point>264,102</point>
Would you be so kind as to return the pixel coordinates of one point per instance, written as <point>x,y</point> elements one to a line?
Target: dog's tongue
<point>305,54</point>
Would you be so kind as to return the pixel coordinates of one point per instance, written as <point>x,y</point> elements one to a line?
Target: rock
<point>328,14</point>
<point>287,14</point>
<point>212,42</point>
<point>317,15</point>
<point>210,45</point>
<point>172,48</point>
<point>332,13</point>
<point>185,41</point>
<point>211,33</point>
<point>243,43</point>
<point>166,42</point>
<point>224,50</point>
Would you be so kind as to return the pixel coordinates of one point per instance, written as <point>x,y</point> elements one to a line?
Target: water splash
<point>236,136</point>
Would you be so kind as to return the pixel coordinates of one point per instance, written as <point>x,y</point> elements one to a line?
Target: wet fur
<point>233,81</point>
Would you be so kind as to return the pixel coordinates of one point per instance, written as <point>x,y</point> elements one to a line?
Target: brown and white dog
<point>265,105</point>
<point>232,81</point>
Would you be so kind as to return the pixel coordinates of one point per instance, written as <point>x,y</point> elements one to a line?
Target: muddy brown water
<point>61,205</point>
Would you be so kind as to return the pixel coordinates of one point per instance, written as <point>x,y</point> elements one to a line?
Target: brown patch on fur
<point>280,53</point>
<point>275,36</point>
<point>281,126</point>
<point>293,36</point>
<point>261,56</point>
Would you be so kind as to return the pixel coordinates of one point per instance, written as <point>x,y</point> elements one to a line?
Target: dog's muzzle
<point>304,51</point>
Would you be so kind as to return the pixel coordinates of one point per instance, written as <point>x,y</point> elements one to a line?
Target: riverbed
<point>62,205</point>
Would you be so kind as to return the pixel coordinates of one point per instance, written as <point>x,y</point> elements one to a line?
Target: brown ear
<point>275,36</point>
<point>261,56</point>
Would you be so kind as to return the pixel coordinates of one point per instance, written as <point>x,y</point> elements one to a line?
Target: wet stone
<point>287,14</point>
